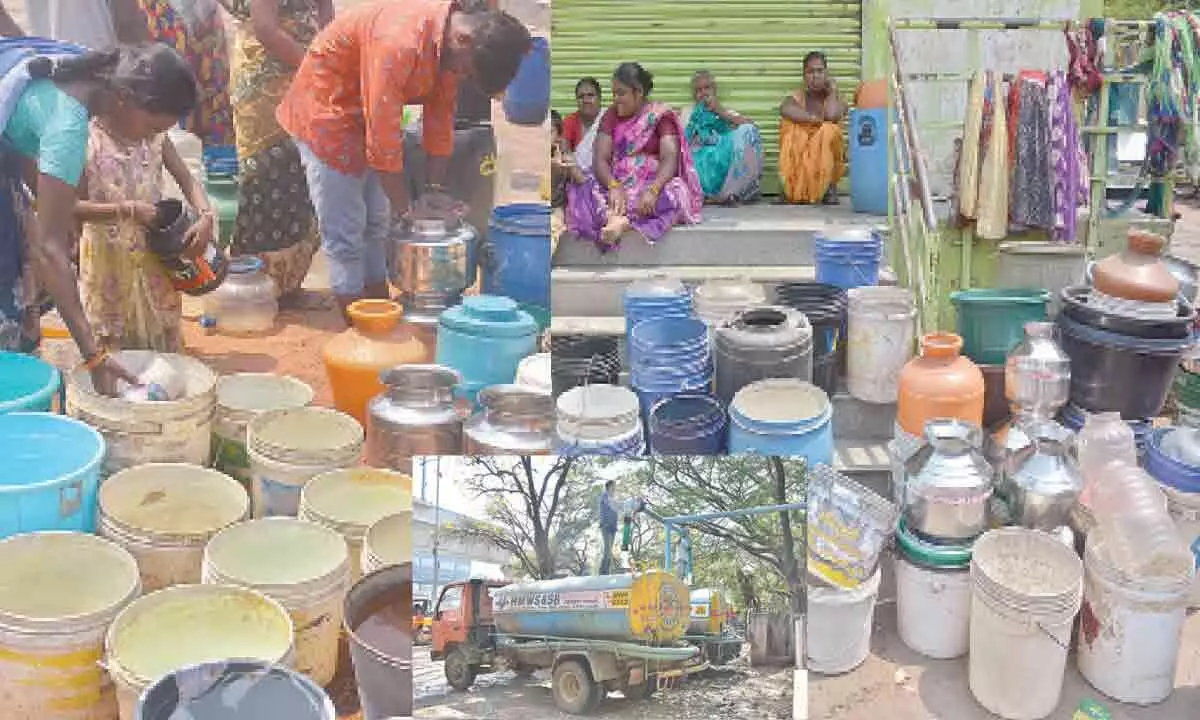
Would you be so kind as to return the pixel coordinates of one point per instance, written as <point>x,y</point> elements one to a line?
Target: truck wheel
<point>459,671</point>
<point>639,692</point>
<point>575,692</point>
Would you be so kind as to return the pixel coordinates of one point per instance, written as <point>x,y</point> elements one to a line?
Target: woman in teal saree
<point>726,147</point>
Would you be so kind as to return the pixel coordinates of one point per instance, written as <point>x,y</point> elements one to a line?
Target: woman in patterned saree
<point>196,30</point>
<point>642,177</point>
<point>275,216</point>
<point>726,146</point>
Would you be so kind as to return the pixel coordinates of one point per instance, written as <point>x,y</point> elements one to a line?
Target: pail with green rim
<point>933,595</point>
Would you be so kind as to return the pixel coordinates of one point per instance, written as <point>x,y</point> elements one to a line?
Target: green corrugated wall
<point>754,47</point>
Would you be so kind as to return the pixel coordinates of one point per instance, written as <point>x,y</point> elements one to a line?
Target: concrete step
<point>599,292</point>
<point>759,234</point>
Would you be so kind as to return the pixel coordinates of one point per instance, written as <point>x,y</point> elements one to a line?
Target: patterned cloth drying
<point>1032,186</point>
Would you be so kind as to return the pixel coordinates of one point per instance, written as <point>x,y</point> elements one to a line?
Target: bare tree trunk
<point>791,568</point>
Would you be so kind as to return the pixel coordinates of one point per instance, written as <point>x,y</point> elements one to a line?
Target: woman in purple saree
<point>642,177</point>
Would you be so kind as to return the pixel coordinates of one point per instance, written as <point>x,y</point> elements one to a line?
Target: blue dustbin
<point>869,188</point>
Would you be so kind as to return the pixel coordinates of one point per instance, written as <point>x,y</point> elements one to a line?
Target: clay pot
<point>1138,272</point>
<point>939,384</point>
<point>871,95</point>
<point>377,341</point>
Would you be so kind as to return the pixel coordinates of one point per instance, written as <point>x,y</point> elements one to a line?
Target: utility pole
<point>437,520</point>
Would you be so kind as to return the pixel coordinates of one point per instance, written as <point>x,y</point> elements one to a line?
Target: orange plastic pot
<point>939,383</point>
<point>375,342</point>
<point>871,95</point>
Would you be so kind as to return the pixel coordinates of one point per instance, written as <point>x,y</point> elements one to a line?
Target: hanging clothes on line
<point>970,154</point>
<point>1032,186</point>
<point>1067,159</point>
<point>992,206</point>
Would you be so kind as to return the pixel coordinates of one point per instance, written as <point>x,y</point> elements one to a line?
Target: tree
<point>540,508</point>
<point>699,485</point>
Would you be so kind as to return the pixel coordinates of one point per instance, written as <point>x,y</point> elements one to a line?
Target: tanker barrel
<point>645,607</point>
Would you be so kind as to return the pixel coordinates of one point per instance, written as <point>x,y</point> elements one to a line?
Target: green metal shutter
<point>754,48</point>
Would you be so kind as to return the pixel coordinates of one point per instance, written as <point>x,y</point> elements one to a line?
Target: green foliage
<point>1141,9</point>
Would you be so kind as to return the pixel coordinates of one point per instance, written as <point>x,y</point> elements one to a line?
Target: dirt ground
<point>898,684</point>
<point>734,691</point>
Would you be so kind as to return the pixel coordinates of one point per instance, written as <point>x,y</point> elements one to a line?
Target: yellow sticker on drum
<point>618,599</point>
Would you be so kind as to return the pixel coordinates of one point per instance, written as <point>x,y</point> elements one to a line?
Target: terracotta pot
<point>938,384</point>
<point>871,95</point>
<point>1138,272</point>
<point>377,341</point>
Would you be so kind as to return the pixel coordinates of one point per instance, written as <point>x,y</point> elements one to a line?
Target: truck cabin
<point>463,615</point>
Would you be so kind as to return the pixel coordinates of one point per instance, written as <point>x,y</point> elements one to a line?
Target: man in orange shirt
<point>345,109</point>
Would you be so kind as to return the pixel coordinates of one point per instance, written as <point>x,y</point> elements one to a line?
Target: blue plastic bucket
<point>599,420</point>
<point>849,259</point>
<point>656,298</point>
<point>527,98</point>
<point>484,339</point>
<point>1166,469</point>
<point>688,425</point>
<point>27,384</point>
<point>785,417</point>
<point>517,260</point>
<point>869,177</point>
<point>49,474</point>
<point>668,356</point>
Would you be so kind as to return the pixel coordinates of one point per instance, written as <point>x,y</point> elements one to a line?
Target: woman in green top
<point>46,107</point>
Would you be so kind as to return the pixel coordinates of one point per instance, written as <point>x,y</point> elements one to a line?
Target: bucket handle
<point>70,499</point>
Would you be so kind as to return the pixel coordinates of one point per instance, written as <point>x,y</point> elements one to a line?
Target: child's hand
<point>143,213</point>
<point>197,238</point>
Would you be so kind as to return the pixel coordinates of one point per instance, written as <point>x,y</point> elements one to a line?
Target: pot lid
<point>491,315</point>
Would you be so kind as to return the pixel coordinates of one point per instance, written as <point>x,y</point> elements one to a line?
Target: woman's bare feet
<point>610,236</point>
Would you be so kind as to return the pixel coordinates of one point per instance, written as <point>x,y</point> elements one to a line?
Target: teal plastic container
<point>49,475</point>
<point>27,384</point>
<point>992,322</point>
<point>485,338</point>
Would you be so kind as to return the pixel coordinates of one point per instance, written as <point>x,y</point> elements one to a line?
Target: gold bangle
<point>656,189</point>
<point>613,184</point>
<point>97,358</point>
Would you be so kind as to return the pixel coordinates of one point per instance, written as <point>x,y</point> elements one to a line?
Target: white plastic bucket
<point>933,608</point>
<point>303,566</point>
<point>187,625</point>
<point>1027,589</point>
<point>388,542</point>
<point>164,513</point>
<point>240,398</point>
<point>534,373</point>
<point>1130,631</point>
<point>1185,511</point>
<point>879,341</point>
<point>144,432</point>
<point>58,593</point>
<point>839,626</point>
<point>351,501</point>
<point>287,448</point>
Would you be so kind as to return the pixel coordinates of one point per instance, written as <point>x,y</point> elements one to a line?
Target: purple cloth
<point>1067,158</point>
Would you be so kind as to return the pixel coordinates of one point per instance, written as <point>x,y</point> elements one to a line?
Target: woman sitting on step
<point>642,177</point>
<point>726,146</point>
<point>812,154</point>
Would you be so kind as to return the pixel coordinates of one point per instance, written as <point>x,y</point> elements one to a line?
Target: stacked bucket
<point>584,360</point>
<point>669,356</point>
<point>849,259</point>
<point>599,420</point>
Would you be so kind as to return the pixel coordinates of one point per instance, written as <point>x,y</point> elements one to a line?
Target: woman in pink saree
<point>642,177</point>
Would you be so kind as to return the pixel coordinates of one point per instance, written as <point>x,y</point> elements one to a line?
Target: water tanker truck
<point>710,626</point>
<point>595,634</point>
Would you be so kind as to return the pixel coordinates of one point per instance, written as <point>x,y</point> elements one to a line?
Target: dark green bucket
<point>223,194</point>
<point>992,322</point>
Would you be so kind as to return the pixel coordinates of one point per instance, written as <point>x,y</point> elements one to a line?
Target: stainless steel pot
<point>432,265</point>
<point>1037,373</point>
<point>514,420</point>
<point>416,415</point>
<point>1042,482</point>
<point>948,483</point>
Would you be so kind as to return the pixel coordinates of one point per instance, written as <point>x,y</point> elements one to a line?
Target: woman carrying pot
<point>49,95</point>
